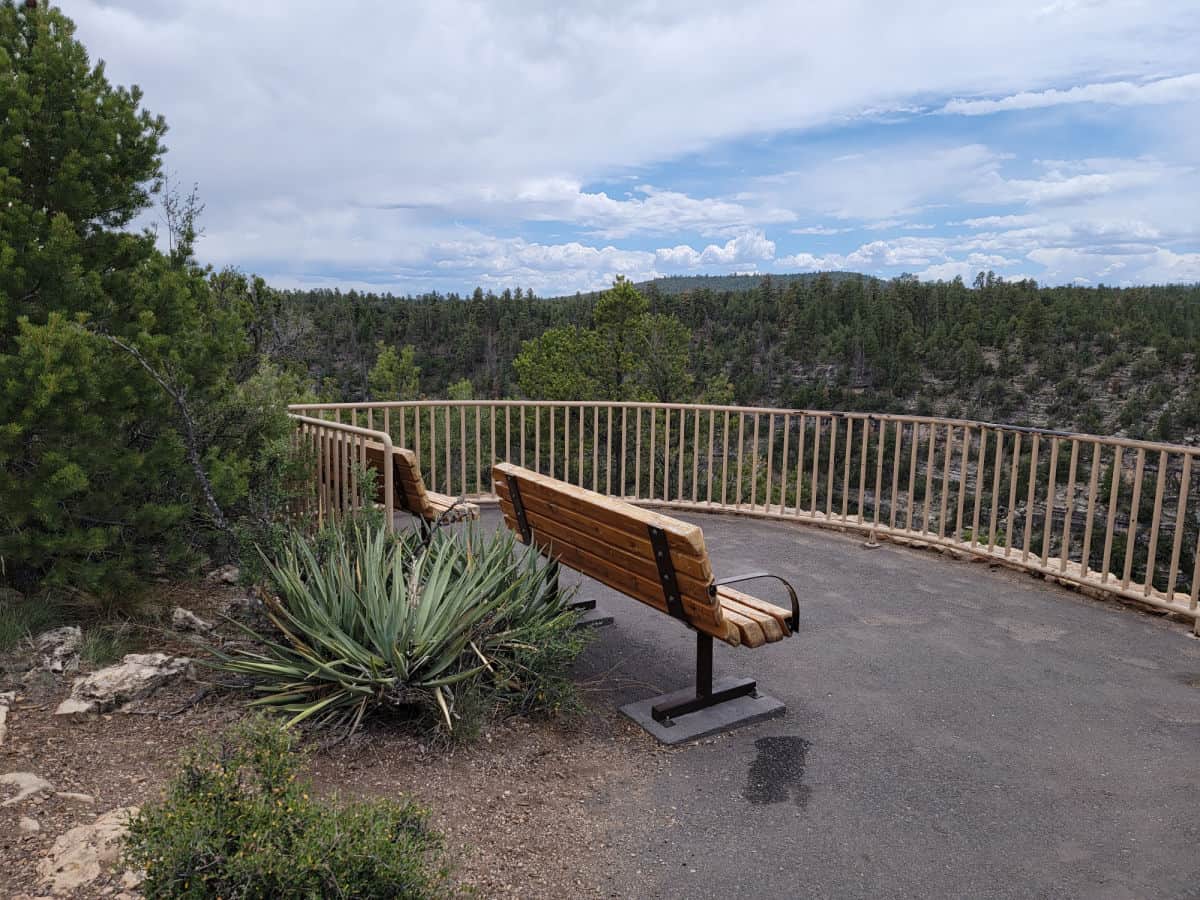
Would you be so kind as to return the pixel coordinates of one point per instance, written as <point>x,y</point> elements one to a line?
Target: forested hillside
<point>1099,359</point>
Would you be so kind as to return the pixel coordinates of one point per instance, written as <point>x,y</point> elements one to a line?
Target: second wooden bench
<point>655,559</point>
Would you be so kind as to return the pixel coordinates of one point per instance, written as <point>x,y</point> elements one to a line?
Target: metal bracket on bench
<point>514,494</point>
<point>794,623</point>
<point>666,572</point>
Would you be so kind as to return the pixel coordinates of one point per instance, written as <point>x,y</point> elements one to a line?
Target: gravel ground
<point>522,810</point>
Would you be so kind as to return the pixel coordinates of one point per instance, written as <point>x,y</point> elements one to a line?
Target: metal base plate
<point>594,617</point>
<point>705,722</point>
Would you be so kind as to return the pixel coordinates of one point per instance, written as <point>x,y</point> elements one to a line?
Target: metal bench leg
<point>705,695</point>
<point>555,571</point>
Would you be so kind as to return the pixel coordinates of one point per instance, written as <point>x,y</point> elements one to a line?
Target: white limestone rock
<point>76,796</point>
<point>80,855</point>
<point>186,620</point>
<point>58,649</point>
<point>136,676</point>
<point>225,575</point>
<point>7,699</point>
<point>28,786</point>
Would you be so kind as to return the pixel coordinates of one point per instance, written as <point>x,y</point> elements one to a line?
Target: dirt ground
<point>522,810</point>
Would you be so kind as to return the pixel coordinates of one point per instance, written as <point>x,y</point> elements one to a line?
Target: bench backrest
<point>408,487</point>
<point>610,540</point>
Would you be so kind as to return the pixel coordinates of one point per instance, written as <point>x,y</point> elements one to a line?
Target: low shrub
<point>22,618</point>
<point>238,822</point>
<point>448,630</point>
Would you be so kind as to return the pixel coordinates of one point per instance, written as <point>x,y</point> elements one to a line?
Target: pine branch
<point>191,440</point>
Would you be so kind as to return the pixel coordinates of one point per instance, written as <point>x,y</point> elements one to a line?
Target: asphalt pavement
<point>952,730</point>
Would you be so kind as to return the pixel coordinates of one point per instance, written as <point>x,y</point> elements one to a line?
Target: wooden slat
<point>625,516</point>
<point>626,549</point>
<point>646,590</point>
<point>752,631</point>
<point>760,607</point>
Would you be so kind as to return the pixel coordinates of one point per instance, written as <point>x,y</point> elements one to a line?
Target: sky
<point>408,147</point>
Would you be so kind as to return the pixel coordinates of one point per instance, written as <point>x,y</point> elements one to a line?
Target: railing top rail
<point>1111,441</point>
<point>382,436</point>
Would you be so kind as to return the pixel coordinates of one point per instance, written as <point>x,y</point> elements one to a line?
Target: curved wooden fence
<point>1110,514</point>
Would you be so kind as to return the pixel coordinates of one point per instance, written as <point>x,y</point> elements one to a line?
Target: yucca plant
<point>374,622</point>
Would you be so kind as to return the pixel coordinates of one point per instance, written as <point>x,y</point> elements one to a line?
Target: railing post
<point>800,462</point>
<point>1048,516</point>
<point>899,433</point>
<point>1134,504</point>
<point>1185,480</point>
<point>833,437</point>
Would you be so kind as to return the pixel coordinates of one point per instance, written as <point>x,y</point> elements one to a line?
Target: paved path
<point>952,731</point>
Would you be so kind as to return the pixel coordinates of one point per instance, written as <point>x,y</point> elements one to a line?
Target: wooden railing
<point>1111,514</point>
<point>339,458</point>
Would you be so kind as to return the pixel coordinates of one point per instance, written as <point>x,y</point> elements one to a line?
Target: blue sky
<point>408,147</point>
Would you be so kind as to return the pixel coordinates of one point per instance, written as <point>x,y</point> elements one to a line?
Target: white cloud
<point>967,268</point>
<point>1007,221</point>
<point>883,185</point>
<point>388,144</point>
<point>1181,88</point>
<point>819,229</point>
<point>751,247</point>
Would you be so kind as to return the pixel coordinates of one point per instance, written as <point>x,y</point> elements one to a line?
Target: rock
<point>27,784</point>
<point>225,575</point>
<point>131,879</point>
<point>58,649</point>
<point>78,798</point>
<point>28,825</point>
<point>6,700</point>
<point>81,854</point>
<point>186,620</point>
<point>71,706</point>
<point>136,676</point>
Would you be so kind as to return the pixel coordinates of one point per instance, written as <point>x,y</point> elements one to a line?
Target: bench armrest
<point>794,624</point>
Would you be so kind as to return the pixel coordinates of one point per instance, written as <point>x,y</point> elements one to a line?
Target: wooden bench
<point>409,492</point>
<point>655,559</point>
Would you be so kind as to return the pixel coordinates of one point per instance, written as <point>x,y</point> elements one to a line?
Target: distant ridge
<point>680,284</point>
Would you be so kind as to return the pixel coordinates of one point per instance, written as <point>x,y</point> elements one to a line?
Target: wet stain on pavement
<point>777,773</point>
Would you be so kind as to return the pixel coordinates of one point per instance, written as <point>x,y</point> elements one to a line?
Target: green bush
<point>238,822</point>
<point>446,631</point>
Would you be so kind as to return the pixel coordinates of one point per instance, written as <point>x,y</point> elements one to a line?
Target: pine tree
<point>107,347</point>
